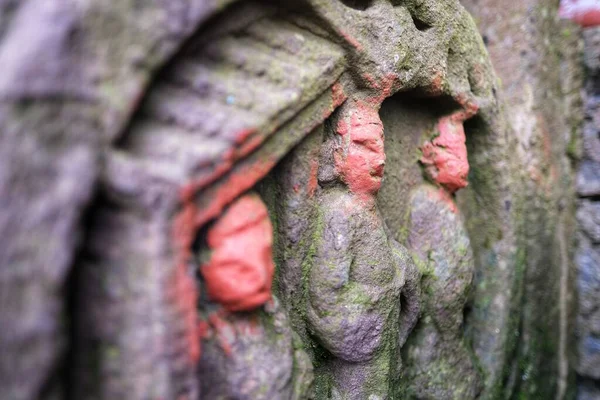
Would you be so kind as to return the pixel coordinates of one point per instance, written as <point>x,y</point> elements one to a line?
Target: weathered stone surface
<point>438,362</point>
<point>588,178</point>
<point>355,274</point>
<point>588,217</point>
<point>537,58</point>
<point>174,147</point>
<point>249,348</point>
<point>72,72</point>
<point>588,390</point>
<point>252,356</point>
<point>587,257</point>
<point>194,127</point>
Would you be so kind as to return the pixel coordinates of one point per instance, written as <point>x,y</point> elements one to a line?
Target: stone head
<point>241,267</point>
<point>445,157</point>
<point>358,153</point>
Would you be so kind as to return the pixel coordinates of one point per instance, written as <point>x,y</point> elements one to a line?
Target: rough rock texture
<point>249,348</point>
<point>72,72</point>
<point>253,355</point>
<point>587,257</point>
<point>438,361</point>
<point>537,58</point>
<point>140,122</point>
<point>356,273</point>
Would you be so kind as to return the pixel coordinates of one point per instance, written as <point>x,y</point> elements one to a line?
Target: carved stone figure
<point>248,352</point>
<point>439,363</point>
<point>241,268</point>
<point>138,129</point>
<point>358,272</point>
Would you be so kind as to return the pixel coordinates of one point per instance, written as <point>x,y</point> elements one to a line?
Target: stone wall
<point>537,57</point>
<point>587,258</point>
<point>257,200</point>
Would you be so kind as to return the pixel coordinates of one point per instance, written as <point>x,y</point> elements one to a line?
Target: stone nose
<point>379,168</point>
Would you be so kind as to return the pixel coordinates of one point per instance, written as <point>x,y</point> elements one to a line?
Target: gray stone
<point>252,355</point>
<point>588,179</point>
<point>588,217</point>
<point>439,364</point>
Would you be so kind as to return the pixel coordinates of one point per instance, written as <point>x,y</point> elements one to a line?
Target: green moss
<point>573,147</point>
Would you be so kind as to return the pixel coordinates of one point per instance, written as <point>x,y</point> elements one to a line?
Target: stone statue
<point>249,351</point>
<point>439,363</point>
<point>358,273</point>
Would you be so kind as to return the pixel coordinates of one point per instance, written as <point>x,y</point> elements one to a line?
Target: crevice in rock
<point>360,5</point>
<point>420,24</point>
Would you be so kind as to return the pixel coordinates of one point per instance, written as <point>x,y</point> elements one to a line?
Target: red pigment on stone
<point>337,94</point>
<point>436,87</point>
<point>445,157</point>
<point>361,165</point>
<point>229,157</point>
<point>221,326</point>
<point>248,327</point>
<point>445,197</point>
<point>384,90</point>
<point>372,82</point>
<point>204,330</point>
<point>240,271</point>
<point>183,232</point>
<point>189,190</point>
<point>242,135</point>
<point>237,183</point>
<point>583,12</point>
<point>337,98</point>
<point>249,146</point>
<point>469,107</point>
<point>342,127</point>
<point>351,40</point>
<point>245,177</point>
<point>183,287</point>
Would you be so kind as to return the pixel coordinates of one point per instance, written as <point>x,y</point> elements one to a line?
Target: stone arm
<point>410,297</point>
<point>339,312</point>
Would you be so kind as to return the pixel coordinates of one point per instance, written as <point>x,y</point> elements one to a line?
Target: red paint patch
<point>469,107</point>
<point>583,12</point>
<point>361,165</point>
<point>239,182</point>
<point>351,40</point>
<point>445,197</point>
<point>445,157</point>
<point>243,135</point>
<point>240,271</point>
<point>183,288</point>
<point>337,98</point>
<point>249,147</point>
<point>436,87</point>
<point>248,326</point>
<point>342,127</point>
<point>384,90</point>
<point>337,95</point>
<point>204,331</point>
<point>372,82</point>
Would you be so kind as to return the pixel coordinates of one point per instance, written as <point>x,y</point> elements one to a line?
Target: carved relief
<point>261,84</point>
<point>357,272</point>
<point>248,350</point>
<point>240,271</point>
<point>439,362</point>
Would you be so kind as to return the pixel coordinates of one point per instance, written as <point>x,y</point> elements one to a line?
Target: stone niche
<point>283,214</point>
